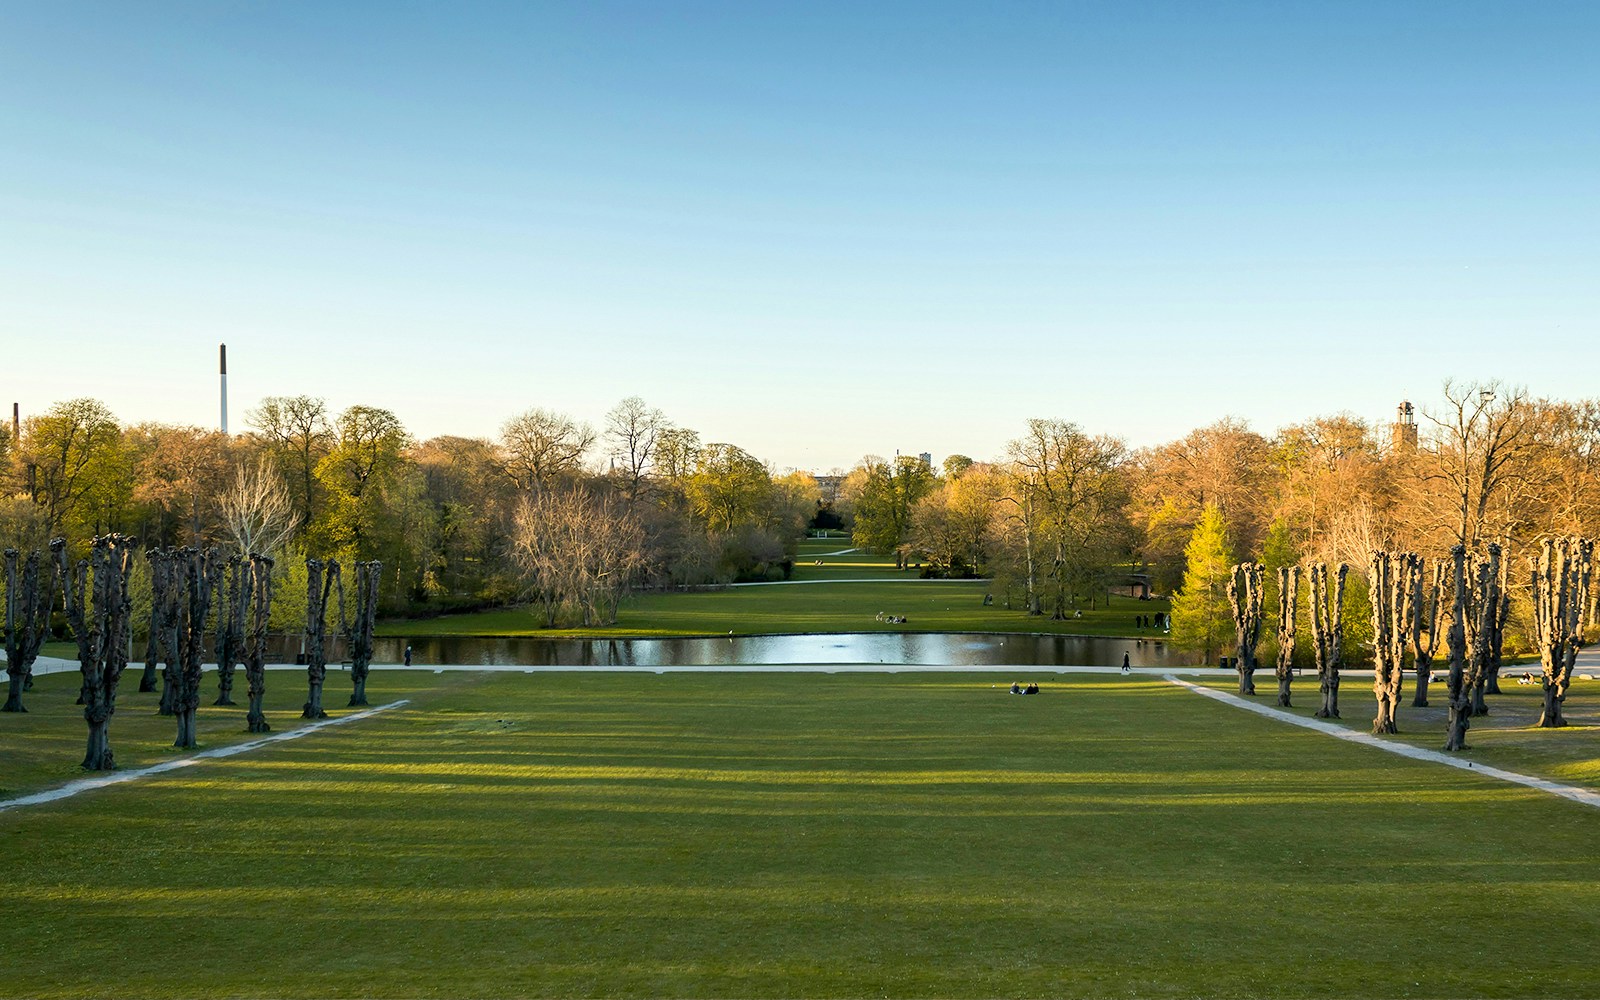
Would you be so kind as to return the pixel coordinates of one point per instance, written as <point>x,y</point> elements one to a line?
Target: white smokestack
<point>223,359</point>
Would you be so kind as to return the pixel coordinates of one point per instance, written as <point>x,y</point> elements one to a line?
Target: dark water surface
<point>923,648</point>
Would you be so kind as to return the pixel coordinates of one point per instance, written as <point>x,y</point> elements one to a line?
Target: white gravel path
<point>82,785</point>
<point>1583,795</point>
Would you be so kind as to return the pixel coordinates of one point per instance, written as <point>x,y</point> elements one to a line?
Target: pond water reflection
<point>920,648</point>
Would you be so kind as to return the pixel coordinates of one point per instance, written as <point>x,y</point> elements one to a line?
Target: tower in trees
<point>1405,426</point>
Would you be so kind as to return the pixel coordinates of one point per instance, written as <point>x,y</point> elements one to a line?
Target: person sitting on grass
<point>1031,689</point>
<point>1016,688</point>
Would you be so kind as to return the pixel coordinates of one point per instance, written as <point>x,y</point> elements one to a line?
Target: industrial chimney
<point>223,361</point>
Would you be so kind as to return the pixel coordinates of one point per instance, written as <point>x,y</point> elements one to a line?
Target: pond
<point>921,648</point>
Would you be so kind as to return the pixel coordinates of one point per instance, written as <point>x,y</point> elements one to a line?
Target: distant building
<point>927,458</point>
<point>1405,427</point>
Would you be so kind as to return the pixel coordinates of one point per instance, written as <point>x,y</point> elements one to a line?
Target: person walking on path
<point>1125,666</point>
<point>408,655</point>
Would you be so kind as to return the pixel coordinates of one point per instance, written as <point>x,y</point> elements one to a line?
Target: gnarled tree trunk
<point>1327,633</point>
<point>258,586</point>
<point>358,633</point>
<point>29,599</point>
<point>230,627</point>
<point>318,586</point>
<point>1427,614</point>
<point>1244,595</point>
<point>1560,591</point>
<point>1392,613</point>
<point>1288,602</point>
<point>99,615</point>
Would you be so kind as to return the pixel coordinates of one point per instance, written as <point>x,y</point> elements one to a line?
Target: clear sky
<point>814,230</point>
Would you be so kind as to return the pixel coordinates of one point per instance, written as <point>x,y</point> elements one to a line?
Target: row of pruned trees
<point>199,594</point>
<point>1464,599</point>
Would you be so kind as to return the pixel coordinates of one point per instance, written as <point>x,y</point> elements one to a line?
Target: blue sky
<point>814,230</point>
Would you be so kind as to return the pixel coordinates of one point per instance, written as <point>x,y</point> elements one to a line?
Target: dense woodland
<point>570,518</point>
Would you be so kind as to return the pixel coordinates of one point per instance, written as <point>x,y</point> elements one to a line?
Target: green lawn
<point>927,606</point>
<point>590,834</point>
<point>1508,737</point>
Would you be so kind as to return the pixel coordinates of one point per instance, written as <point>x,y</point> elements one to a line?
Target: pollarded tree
<point>1392,613</point>
<point>1477,597</point>
<point>99,615</point>
<point>258,590</point>
<point>1561,583</point>
<point>193,580</point>
<point>1244,598</point>
<point>235,596</point>
<point>320,579</point>
<point>1288,604</point>
<point>1200,611</point>
<point>166,612</point>
<point>1427,616</point>
<point>1327,633</point>
<point>29,599</point>
<point>358,630</point>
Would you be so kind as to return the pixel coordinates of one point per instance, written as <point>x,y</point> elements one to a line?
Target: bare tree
<point>1244,596</point>
<point>318,585</point>
<point>1327,633</point>
<point>99,617</point>
<point>258,587</point>
<point>257,511</point>
<point>632,431</point>
<point>358,629</point>
<point>1288,603</point>
<point>1392,613</point>
<point>29,600</point>
<point>1476,456</point>
<point>577,550</point>
<point>539,447</point>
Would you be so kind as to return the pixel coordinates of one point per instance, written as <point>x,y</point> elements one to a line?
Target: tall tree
<point>1079,495</point>
<point>1473,461</point>
<point>729,488</point>
<point>257,511</point>
<point>632,431</point>
<point>880,494</point>
<point>29,598</point>
<point>364,460</point>
<point>98,612</point>
<point>1471,636</point>
<point>68,452</point>
<point>541,447</point>
<point>1200,615</point>
<point>298,436</point>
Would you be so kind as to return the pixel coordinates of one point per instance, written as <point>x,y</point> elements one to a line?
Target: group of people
<point>883,616</point>
<point>1032,688</point>
<point>1158,620</point>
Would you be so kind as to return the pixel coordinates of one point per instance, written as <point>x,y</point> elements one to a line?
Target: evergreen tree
<point>1201,618</point>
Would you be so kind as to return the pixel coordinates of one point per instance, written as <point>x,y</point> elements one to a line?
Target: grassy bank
<point>789,835</point>
<point>845,593</point>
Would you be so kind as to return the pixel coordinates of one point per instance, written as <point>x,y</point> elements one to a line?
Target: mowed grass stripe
<point>783,835</point>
